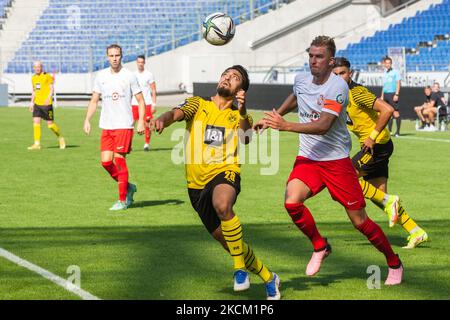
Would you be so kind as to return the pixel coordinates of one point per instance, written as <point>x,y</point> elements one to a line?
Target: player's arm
<point>320,127</point>
<point>245,121</point>
<point>397,91</point>
<point>289,104</point>
<point>90,111</point>
<point>153,88</point>
<point>141,109</point>
<point>385,112</point>
<point>166,119</point>
<point>33,96</point>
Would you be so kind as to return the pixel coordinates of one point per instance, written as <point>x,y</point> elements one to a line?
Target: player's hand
<point>368,145</point>
<point>274,120</point>
<point>140,127</point>
<point>31,107</point>
<point>240,98</point>
<point>260,126</point>
<point>157,125</point>
<point>153,108</point>
<point>395,98</point>
<point>87,127</point>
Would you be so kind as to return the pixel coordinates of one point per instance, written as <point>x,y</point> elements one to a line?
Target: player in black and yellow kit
<point>215,128</point>
<point>41,106</point>
<point>367,118</point>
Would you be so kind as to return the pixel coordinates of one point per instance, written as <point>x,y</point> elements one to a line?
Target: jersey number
<point>230,176</point>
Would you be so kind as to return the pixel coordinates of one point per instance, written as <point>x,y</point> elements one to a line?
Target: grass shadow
<point>152,203</point>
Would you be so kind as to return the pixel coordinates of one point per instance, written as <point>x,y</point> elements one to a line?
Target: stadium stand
<point>71,36</point>
<point>4,4</point>
<point>425,36</point>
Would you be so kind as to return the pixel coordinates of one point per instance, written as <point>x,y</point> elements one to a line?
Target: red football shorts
<point>118,140</point>
<point>338,176</point>
<point>148,113</point>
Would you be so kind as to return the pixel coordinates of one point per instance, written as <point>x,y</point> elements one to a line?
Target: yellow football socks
<point>55,129</point>
<point>232,232</point>
<point>405,220</point>
<point>37,133</point>
<point>254,265</point>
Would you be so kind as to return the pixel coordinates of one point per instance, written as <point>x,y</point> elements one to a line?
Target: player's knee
<point>223,209</point>
<point>295,210</point>
<point>106,164</point>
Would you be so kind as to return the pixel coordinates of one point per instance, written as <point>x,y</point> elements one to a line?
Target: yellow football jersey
<point>361,117</point>
<point>41,86</point>
<point>212,144</point>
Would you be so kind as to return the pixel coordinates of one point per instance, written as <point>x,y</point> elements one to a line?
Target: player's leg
<point>303,183</point>
<point>122,146</point>
<point>398,121</point>
<point>417,235</point>
<point>376,236</point>
<point>418,110</point>
<point>148,133</point>
<point>223,198</point>
<point>36,130</point>
<point>342,182</point>
<point>49,116</point>
<point>374,167</point>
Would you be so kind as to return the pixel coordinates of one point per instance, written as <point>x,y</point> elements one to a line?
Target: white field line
<point>69,286</point>
<point>423,139</point>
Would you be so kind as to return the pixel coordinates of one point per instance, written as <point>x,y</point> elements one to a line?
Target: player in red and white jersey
<point>116,85</point>
<point>147,83</point>
<point>323,160</point>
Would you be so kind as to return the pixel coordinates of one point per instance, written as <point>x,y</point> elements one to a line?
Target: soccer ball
<point>218,29</point>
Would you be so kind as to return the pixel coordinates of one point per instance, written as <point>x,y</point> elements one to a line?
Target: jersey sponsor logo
<point>314,116</point>
<point>114,96</point>
<point>340,98</point>
<point>232,118</point>
<point>214,136</point>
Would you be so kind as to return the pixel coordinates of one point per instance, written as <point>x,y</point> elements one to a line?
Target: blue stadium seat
<point>423,27</point>
<point>60,34</point>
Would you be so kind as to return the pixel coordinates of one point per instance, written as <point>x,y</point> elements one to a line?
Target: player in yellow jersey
<point>215,128</point>
<point>41,106</point>
<point>367,118</point>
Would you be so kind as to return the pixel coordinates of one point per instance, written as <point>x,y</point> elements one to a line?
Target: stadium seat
<point>140,24</point>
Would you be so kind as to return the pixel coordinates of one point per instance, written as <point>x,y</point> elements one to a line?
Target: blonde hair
<point>325,41</point>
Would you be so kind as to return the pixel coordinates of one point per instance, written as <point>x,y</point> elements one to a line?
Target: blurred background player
<point>419,109</point>
<point>214,181</point>
<point>116,85</point>
<point>367,118</point>
<point>323,160</point>
<point>391,91</point>
<point>437,102</point>
<point>148,86</point>
<point>41,106</point>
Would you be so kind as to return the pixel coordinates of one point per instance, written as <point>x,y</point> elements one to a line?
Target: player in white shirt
<point>323,159</point>
<point>147,83</point>
<point>116,85</point>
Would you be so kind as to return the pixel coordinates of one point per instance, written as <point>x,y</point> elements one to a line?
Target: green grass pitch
<point>54,213</point>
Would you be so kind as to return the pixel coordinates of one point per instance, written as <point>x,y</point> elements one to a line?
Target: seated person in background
<point>437,100</point>
<point>419,109</point>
